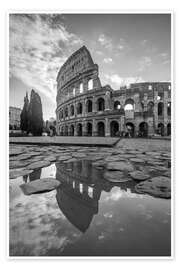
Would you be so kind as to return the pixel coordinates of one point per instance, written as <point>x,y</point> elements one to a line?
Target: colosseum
<point>86,108</point>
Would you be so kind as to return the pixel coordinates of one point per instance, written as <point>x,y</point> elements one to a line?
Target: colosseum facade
<point>86,108</point>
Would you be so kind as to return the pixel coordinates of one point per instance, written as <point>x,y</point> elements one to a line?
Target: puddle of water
<point>86,216</point>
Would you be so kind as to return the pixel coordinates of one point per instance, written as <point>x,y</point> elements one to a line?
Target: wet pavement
<point>89,213</point>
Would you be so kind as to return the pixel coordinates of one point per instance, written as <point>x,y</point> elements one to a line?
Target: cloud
<point>122,81</point>
<point>164,58</point>
<point>105,41</point>
<point>38,45</point>
<point>144,63</point>
<point>108,60</point>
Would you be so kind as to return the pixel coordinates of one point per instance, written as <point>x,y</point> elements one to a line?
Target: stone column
<point>107,101</point>
<point>75,129</point>
<point>165,112</point>
<point>94,128</point>
<point>94,109</point>
<point>155,111</point>
<point>107,127</point>
<point>83,107</point>
<point>84,133</point>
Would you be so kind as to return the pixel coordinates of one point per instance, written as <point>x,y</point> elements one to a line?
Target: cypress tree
<point>24,115</point>
<point>35,125</point>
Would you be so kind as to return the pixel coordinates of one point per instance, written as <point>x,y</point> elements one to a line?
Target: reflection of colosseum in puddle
<point>85,108</point>
<point>77,196</point>
<point>80,190</point>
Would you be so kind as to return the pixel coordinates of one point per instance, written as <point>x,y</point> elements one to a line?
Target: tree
<point>24,119</point>
<point>35,123</point>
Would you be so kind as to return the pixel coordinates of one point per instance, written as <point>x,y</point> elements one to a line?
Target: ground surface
<point>131,182</point>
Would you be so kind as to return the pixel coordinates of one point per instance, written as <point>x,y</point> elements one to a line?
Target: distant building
<point>85,108</point>
<point>14,117</point>
<point>50,122</point>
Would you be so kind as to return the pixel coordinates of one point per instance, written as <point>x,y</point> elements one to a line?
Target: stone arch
<point>101,129</point>
<point>160,108</point>
<point>130,129</point>
<point>89,128</point>
<point>100,104</point>
<point>143,129</point>
<point>150,107</point>
<point>161,129</point>
<point>169,129</point>
<point>66,131</point>
<point>169,109</point>
<point>72,110</point>
<point>114,128</point>
<point>89,105</point>
<point>61,114</point>
<point>71,130</point>
<point>90,84</point>
<point>79,129</point>
<point>117,105</point>
<point>129,104</point>
<point>66,112</point>
<point>62,131</point>
<point>79,108</point>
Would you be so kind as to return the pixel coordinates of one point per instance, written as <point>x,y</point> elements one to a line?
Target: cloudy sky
<point>127,47</point>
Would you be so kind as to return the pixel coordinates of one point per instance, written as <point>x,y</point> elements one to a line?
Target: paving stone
<point>119,166</point>
<point>139,176</point>
<point>18,164</point>
<point>79,155</point>
<point>50,158</point>
<point>15,152</point>
<point>62,158</point>
<point>40,185</point>
<point>38,164</point>
<point>99,164</point>
<point>70,160</point>
<point>16,173</point>
<point>23,157</point>
<point>115,177</point>
<point>157,186</point>
<point>137,160</point>
<point>114,158</point>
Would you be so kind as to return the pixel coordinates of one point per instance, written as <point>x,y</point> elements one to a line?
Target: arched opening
<point>150,107</point>
<point>66,112</point>
<point>72,110</point>
<point>169,109</point>
<point>61,115</point>
<point>129,130</point>
<point>79,108</point>
<point>62,131</point>
<point>143,129</point>
<point>117,105</point>
<point>79,129</point>
<point>160,108</point>
<point>66,130</point>
<point>90,84</point>
<point>129,105</point>
<point>89,106</point>
<point>71,130</point>
<point>81,88</point>
<point>100,104</point>
<point>101,129</point>
<point>89,129</point>
<point>169,129</point>
<point>161,129</point>
<point>114,128</point>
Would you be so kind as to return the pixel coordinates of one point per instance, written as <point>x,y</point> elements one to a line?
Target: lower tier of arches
<point>113,128</point>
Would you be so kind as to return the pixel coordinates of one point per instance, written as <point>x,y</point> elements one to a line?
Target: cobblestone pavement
<point>147,159</point>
